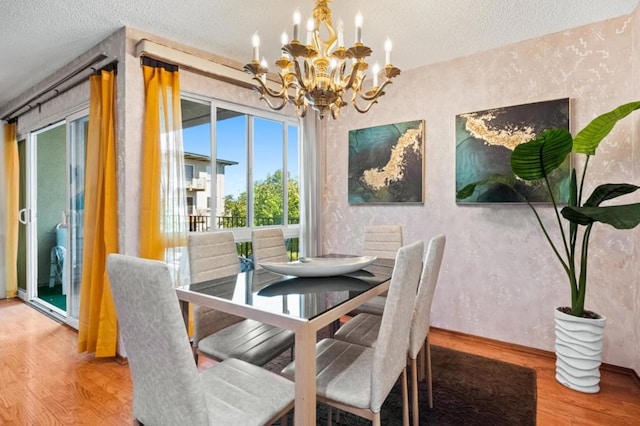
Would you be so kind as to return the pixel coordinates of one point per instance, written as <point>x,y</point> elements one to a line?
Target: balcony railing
<point>200,223</point>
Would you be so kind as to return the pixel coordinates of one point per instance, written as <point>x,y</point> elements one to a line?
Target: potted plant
<point>578,331</point>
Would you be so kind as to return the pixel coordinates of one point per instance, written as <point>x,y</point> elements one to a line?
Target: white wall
<point>499,277</point>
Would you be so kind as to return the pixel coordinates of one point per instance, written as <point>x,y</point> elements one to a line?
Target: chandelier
<point>314,75</point>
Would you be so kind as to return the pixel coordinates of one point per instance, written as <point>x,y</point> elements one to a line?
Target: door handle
<point>22,216</point>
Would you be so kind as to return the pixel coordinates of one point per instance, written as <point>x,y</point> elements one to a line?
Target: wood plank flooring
<point>44,381</point>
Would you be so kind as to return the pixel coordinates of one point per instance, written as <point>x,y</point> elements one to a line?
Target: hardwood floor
<point>44,381</point>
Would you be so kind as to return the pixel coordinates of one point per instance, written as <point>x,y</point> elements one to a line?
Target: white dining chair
<point>268,245</point>
<point>167,387</point>
<point>382,241</point>
<point>364,328</point>
<point>219,335</point>
<point>357,378</point>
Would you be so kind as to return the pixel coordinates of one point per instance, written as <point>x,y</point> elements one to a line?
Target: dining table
<point>301,304</point>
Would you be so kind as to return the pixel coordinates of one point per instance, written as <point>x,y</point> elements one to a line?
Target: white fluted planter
<point>579,351</point>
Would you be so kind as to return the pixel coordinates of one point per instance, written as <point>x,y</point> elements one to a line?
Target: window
<point>256,159</point>
<point>188,173</point>
<point>190,205</point>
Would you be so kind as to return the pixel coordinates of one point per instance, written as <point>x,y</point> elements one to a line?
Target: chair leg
<point>405,399</point>
<point>329,415</point>
<point>333,327</point>
<point>376,419</point>
<point>429,375</point>
<point>414,392</point>
<point>421,362</point>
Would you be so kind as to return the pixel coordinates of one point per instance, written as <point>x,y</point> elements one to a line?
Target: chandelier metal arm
<point>299,81</point>
<point>352,83</point>
<point>363,110</point>
<point>271,105</point>
<point>374,94</point>
<point>264,88</point>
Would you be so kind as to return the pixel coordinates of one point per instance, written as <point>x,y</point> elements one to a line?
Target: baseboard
<point>533,351</point>
<point>122,360</point>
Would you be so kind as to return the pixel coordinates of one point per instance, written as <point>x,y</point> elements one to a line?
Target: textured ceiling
<point>38,37</point>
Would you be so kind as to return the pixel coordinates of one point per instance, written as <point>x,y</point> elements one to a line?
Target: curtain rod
<point>53,87</point>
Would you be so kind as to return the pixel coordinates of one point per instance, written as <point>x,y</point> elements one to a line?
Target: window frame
<point>244,234</point>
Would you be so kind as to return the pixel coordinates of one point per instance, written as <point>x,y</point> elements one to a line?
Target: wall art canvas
<point>386,163</point>
<point>485,141</point>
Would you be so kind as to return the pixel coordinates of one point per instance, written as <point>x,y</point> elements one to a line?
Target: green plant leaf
<point>537,158</point>
<point>588,139</point>
<point>608,192</point>
<point>468,189</point>
<point>573,201</point>
<point>573,189</point>
<point>620,217</point>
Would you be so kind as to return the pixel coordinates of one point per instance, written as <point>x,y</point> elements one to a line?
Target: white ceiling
<point>37,37</point>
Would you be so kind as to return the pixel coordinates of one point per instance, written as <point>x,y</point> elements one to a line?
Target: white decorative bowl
<point>319,266</point>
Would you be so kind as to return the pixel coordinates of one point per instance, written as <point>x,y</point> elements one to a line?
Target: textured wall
<point>499,278</point>
<point>636,180</point>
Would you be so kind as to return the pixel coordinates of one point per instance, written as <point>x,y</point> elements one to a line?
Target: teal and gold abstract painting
<point>386,163</point>
<point>485,141</point>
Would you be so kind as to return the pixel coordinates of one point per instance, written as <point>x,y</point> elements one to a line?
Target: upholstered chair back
<point>268,246</point>
<point>382,241</point>
<point>212,255</point>
<point>421,320</point>
<point>393,340</point>
<point>166,385</point>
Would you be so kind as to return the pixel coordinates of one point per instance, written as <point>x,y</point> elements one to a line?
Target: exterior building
<point>197,175</point>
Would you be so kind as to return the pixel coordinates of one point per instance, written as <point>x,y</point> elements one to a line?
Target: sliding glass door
<point>52,207</point>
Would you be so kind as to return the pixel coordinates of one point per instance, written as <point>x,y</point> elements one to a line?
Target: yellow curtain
<point>98,326</point>
<point>11,178</point>
<point>163,220</point>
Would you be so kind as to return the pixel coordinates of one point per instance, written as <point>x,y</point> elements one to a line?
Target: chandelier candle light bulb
<point>323,74</point>
<point>255,42</point>
<point>310,28</point>
<point>387,51</point>
<point>358,22</point>
<point>284,39</point>
<point>296,24</point>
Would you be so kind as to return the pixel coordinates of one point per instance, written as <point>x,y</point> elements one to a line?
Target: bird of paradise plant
<point>537,158</point>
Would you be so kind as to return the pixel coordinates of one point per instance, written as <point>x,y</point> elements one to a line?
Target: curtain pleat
<point>97,323</point>
<point>11,178</point>
<point>163,220</point>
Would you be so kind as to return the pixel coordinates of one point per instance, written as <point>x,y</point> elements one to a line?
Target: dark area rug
<point>467,390</point>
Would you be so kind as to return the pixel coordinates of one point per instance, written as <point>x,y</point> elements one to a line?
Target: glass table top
<point>294,296</point>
